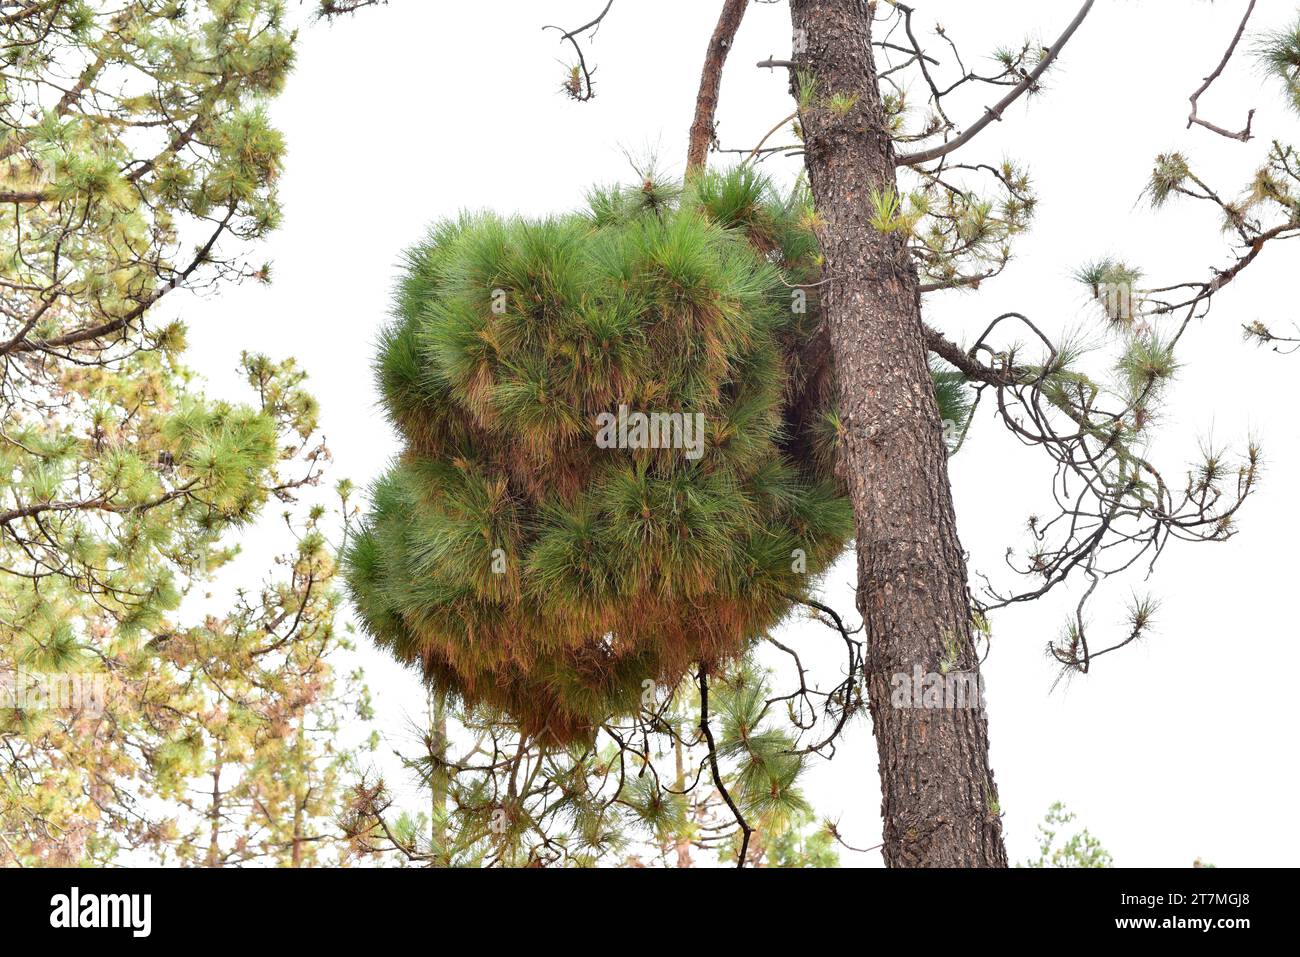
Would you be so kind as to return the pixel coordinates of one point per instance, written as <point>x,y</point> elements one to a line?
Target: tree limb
<point>706,103</point>
<point>925,156</point>
<point>1194,119</point>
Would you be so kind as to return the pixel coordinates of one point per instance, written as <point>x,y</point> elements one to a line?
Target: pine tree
<point>860,137</point>
<point>270,728</point>
<point>900,213</point>
<point>136,159</point>
<point>1080,849</point>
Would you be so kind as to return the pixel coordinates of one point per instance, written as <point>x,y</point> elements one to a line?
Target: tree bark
<point>299,806</point>
<point>683,843</point>
<point>939,800</point>
<point>214,815</point>
<point>440,836</point>
<point>706,102</point>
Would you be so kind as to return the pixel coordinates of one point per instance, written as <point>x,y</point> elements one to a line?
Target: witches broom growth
<point>530,556</point>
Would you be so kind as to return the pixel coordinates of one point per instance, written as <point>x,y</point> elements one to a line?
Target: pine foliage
<point>517,561</point>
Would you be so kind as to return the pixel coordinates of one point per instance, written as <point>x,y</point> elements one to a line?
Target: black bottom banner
<point>234,908</point>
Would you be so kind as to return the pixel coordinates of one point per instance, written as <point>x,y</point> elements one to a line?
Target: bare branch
<point>713,764</point>
<point>995,113</point>
<point>578,86</point>
<point>1194,119</point>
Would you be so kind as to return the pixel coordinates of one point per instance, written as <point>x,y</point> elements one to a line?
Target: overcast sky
<point>1182,747</point>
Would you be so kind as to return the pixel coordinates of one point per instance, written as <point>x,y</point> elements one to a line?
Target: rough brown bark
<point>706,103</point>
<point>939,800</point>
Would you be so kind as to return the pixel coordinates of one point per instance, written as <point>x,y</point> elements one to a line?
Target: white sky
<point>1181,747</point>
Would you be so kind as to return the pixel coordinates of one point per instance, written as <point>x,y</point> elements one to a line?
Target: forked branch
<point>995,113</point>
<point>1194,118</point>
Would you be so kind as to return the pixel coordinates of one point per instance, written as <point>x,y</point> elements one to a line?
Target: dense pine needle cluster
<point>523,563</point>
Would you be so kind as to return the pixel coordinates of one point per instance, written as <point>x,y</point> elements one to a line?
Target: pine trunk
<point>939,800</point>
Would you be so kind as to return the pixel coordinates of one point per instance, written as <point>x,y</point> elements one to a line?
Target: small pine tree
<point>1081,849</point>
